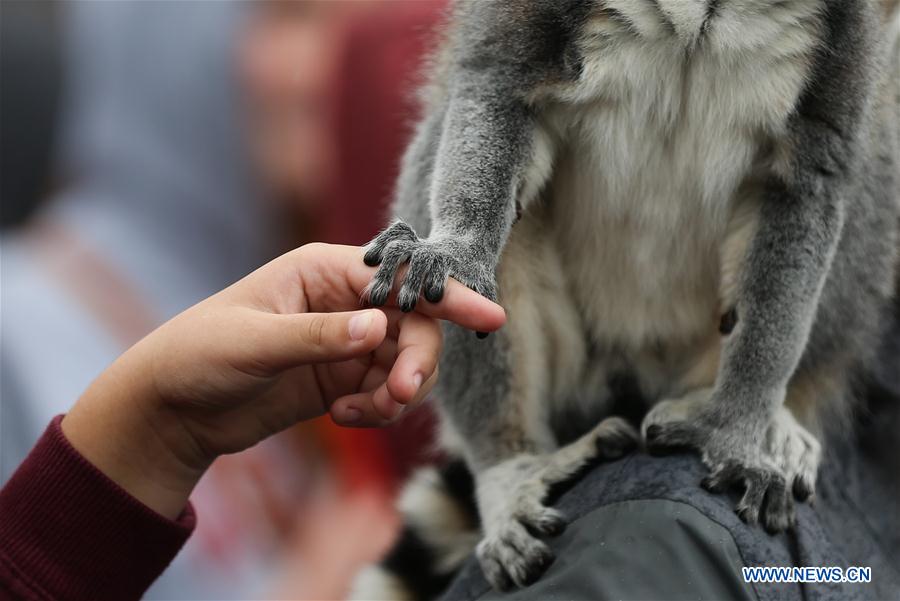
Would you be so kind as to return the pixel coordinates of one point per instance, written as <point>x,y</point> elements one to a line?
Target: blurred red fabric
<point>375,111</point>
<point>374,115</point>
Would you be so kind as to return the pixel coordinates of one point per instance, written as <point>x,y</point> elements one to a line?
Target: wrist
<point>125,430</point>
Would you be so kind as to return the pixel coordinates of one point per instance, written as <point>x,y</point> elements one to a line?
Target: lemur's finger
<point>420,265</point>
<point>394,255</point>
<point>396,231</point>
<point>435,282</point>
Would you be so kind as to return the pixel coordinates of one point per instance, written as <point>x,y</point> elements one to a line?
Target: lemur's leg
<point>511,498</point>
<point>790,447</point>
<point>800,224</point>
<point>499,401</point>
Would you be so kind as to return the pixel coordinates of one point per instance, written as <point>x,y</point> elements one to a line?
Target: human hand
<point>284,344</point>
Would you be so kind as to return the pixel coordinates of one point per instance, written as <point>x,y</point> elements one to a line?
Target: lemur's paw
<point>770,467</point>
<point>511,499</point>
<point>512,557</point>
<point>512,495</point>
<point>431,262</point>
<point>615,437</point>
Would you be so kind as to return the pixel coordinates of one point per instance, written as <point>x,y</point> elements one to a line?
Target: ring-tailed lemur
<point>699,196</point>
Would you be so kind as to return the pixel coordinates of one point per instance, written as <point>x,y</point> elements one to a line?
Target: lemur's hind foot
<point>772,469</point>
<point>511,496</point>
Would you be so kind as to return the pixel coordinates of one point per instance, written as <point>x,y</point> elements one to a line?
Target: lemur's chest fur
<point>656,149</point>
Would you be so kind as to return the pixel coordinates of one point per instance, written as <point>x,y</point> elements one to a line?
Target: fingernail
<point>417,381</point>
<point>359,325</point>
<point>352,415</point>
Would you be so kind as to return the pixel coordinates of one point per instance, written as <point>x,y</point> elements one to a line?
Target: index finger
<point>329,269</point>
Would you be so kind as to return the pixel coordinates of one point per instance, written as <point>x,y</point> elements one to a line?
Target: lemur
<point>699,197</point>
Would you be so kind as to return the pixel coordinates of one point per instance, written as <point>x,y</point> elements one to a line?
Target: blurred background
<point>152,153</point>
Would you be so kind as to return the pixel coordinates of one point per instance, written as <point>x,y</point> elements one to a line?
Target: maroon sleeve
<point>69,532</point>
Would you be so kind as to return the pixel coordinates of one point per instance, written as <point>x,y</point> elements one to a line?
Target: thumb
<point>323,337</point>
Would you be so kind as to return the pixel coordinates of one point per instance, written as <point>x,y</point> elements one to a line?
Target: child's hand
<point>284,344</point>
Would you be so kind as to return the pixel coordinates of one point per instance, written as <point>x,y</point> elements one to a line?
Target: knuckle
<point>315,330</point>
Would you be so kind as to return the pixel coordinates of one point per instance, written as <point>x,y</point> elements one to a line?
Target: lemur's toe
<point>494,573</point>
<point>513,557</point>
<point>756,483</point>
<point>616,439</point>
<point>804,487</point>
<point>723,478</point>
<point>663,439</point>
<point>547,522</point>
<point>778,506</point>
<point>766,499</point>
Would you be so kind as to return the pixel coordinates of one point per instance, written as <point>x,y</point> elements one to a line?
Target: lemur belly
<point>657,175</point>
<point>640,248</point>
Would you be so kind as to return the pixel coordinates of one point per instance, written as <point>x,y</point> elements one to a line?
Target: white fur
<point>374,583</point>
<point>652,198</point>
<point>438,519</point>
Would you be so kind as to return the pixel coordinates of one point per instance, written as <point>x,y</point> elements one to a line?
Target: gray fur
<point>671,161</point>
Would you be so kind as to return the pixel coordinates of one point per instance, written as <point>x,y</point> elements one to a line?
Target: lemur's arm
<point>485,143</point>
<point>799,229</point>
<point>500,52</point>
